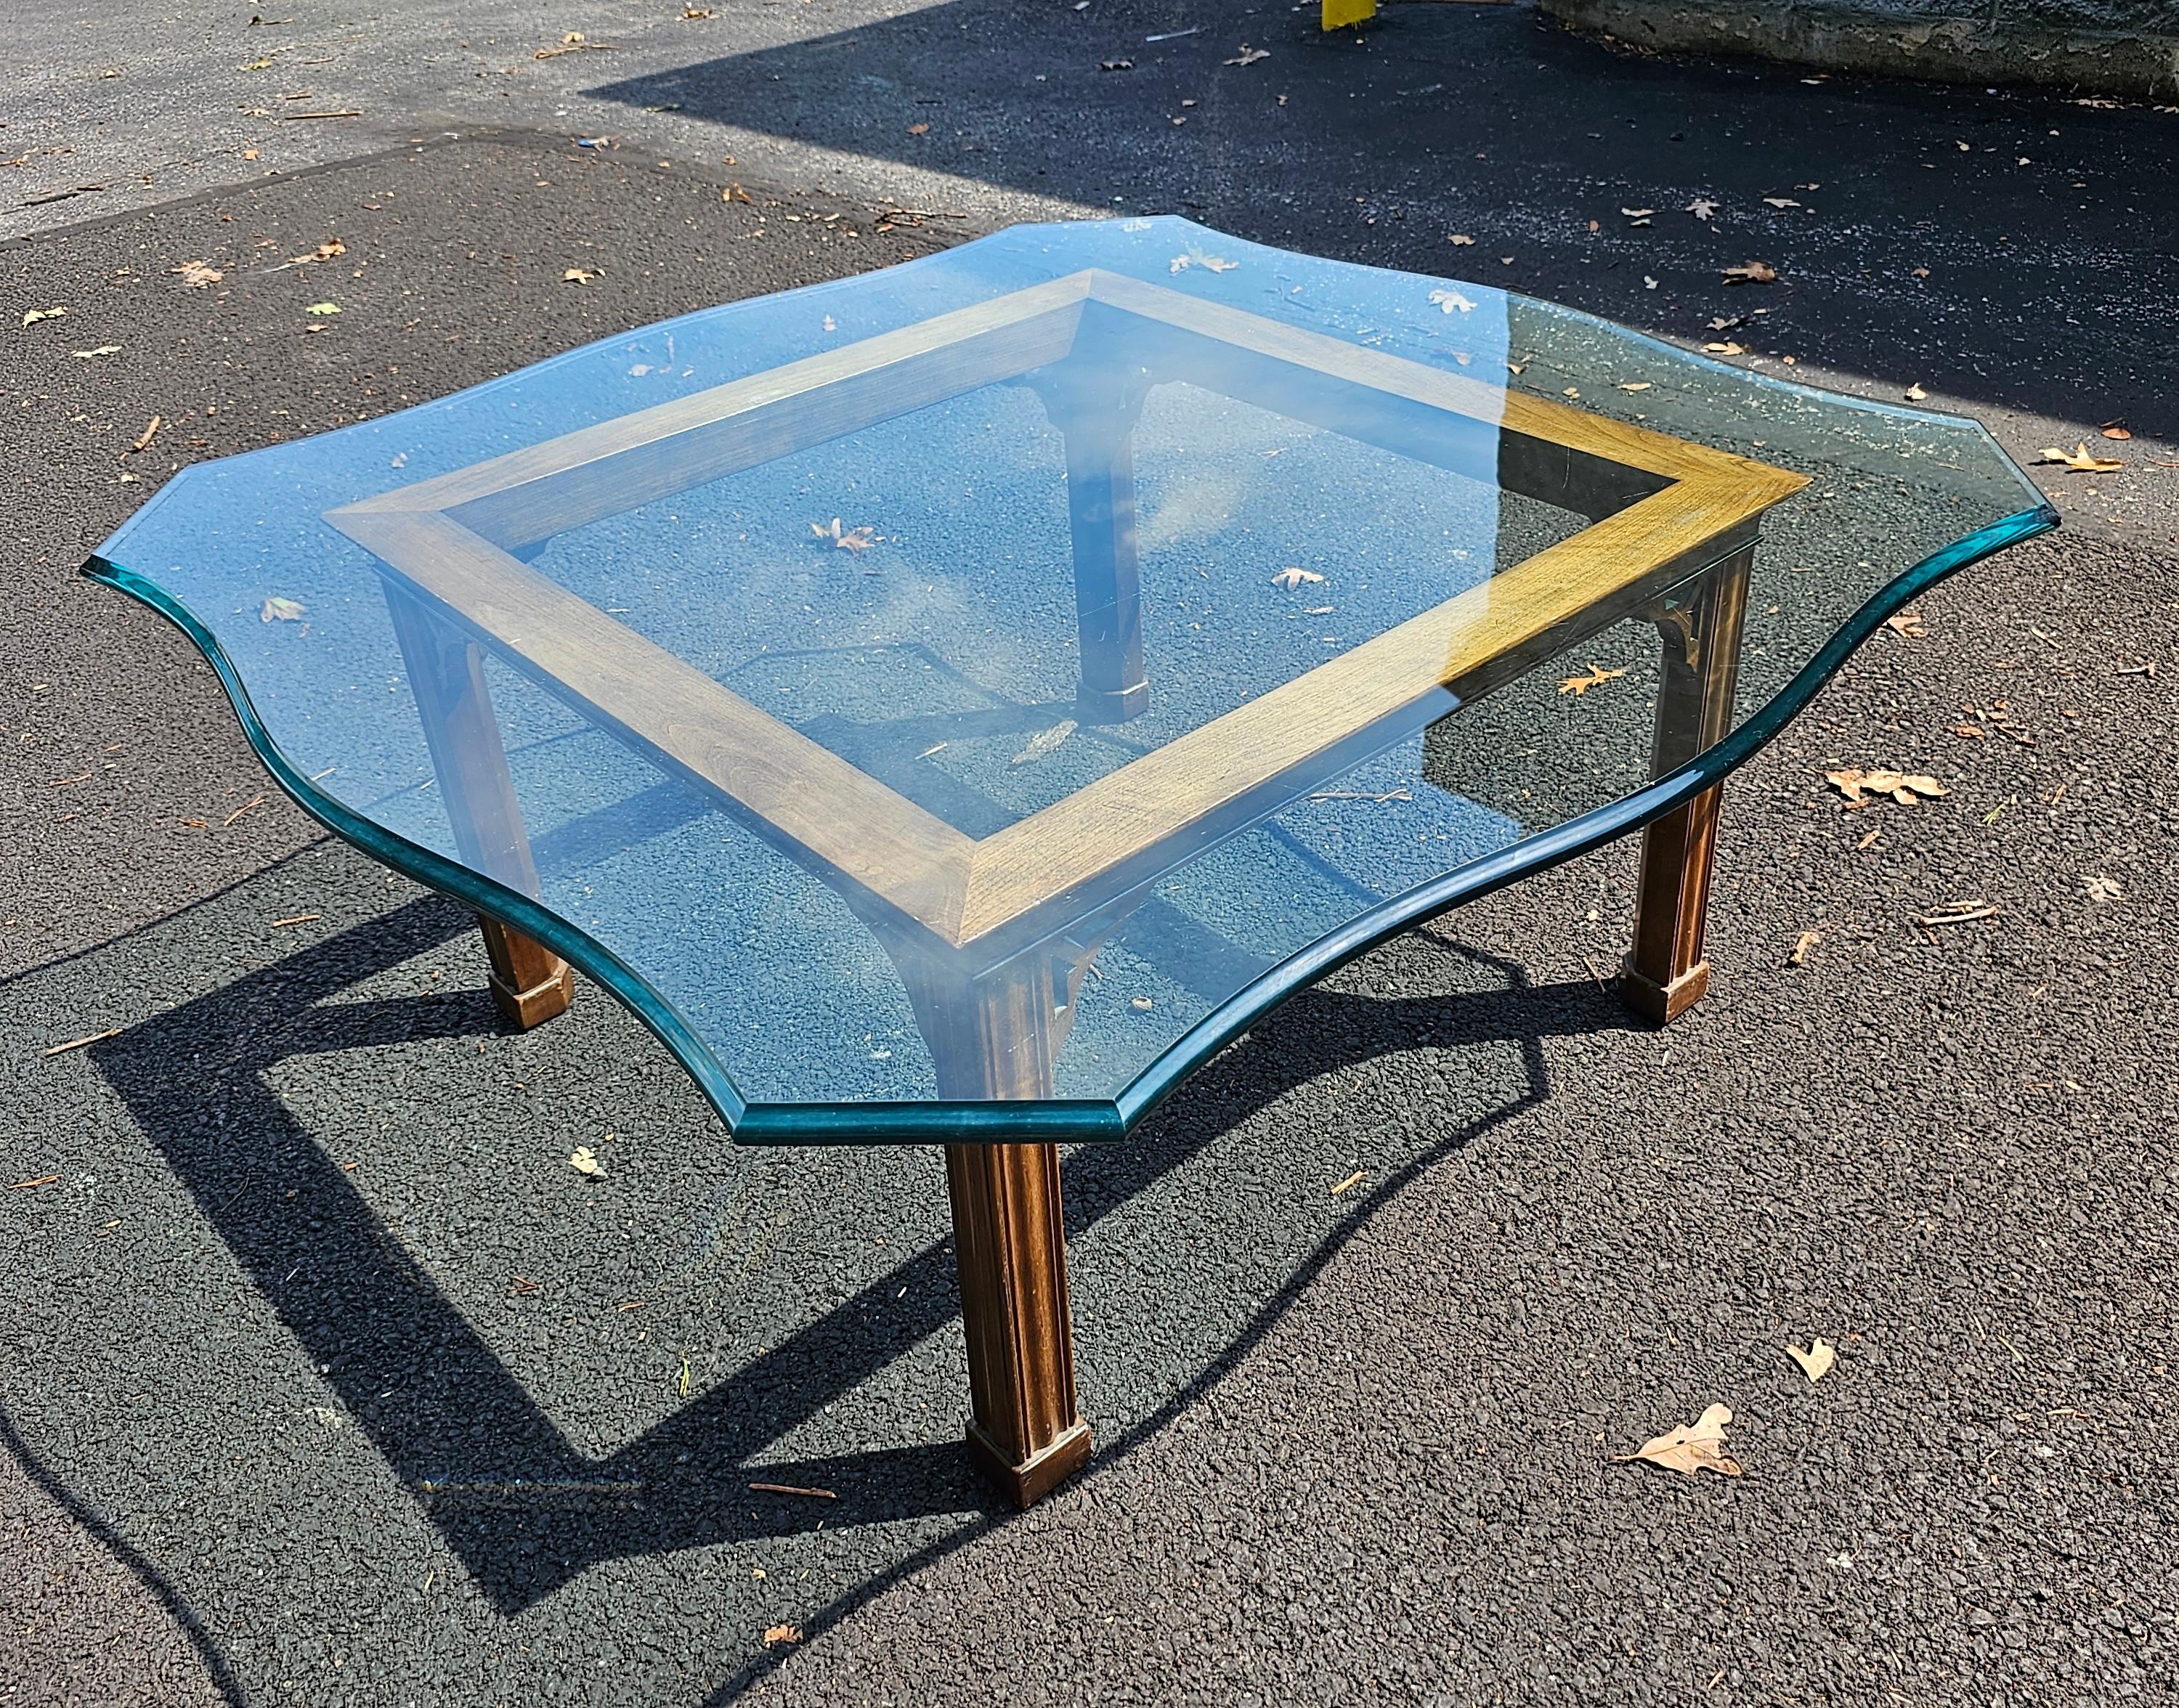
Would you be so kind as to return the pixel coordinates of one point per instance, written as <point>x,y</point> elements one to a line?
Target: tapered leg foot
<point>529,984</point>
<point>1660,1003</point>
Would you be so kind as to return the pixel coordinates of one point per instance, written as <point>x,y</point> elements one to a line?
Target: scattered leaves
<point>1702,207</point>
<point>572,43</point>
<point>1293,575</point>
<point>1249,55</point>
<point>1044,743</point>
<point>1817,1361</point>
<point>2080,461</point>
<point>2100,888</point>
<point>1858,786</point>
<point>1597,675</point>
<point>278,609</point>
<point>196,274</point>
<point>584,1161</point>
<point>1751,273</point>
<point>1690,1447</point>
<point>846,540</point>
<point>32,317</point>
<point>1801,945</point>
<point>1448,301</point>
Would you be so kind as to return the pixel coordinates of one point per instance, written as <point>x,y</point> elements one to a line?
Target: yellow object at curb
<point>1339,13</point>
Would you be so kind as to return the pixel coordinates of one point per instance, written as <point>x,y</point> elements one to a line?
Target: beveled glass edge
<point>434,870</point>
<point>1081,1121</point>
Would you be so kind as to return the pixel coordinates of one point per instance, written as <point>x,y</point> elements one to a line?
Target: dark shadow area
<point>1994,243</point>
<point>523,1508</point>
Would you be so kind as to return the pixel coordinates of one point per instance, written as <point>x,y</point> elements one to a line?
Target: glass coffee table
<point>950,704</point>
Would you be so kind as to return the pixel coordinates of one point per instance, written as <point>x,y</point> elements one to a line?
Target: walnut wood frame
<point>990,935</point>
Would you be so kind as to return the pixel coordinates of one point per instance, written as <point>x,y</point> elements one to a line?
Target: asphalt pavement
<point>319,1384</point>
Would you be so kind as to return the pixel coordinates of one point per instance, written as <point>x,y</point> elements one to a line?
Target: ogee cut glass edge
<point>1079,1121</point>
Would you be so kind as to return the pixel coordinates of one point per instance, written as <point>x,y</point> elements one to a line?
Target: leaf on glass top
<point>2081,462</point>
<point>1293,575</point>
<point>1581,685</point>
<point>278,609</point>
<point>848,539</point>
<point>1691,1447</point>
<point>1196,258</point>
<point>1859,786</point>
<point>1702,207</point>
<point>1449,301</point>
<point>1751,273</point>
<point>1817,1361</point>
<point>1044,741</point>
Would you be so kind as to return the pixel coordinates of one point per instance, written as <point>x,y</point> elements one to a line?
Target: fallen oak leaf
<point>1817,1361</point>
<point>1690,1447</point>
<point>1044,741</point>
<point>848,539</point>
<point>1579,686</point>
<point>2080,461</point>
<point>1702,207</point>
<point>1859,786</point>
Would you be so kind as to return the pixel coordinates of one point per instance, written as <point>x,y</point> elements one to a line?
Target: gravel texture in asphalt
<point>319,1383</point>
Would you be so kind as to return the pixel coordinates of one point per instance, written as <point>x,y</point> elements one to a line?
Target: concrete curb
<point>2134,65</point>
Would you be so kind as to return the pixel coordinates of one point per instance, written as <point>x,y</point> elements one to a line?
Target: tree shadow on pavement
<point>1920,232</point>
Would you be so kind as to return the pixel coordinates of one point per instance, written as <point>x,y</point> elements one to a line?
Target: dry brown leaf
<point>584,1161</point>
<point>1293,575</point>
<point>1751,273</point>
<point>2080,461</point>
<point>2115,429</point>
<point>1635,385</point>
<point>1702,207</point>
<point>32,317</point>
<point>1905,622</point>
<point>196,274</point>
<point>2102,889</point>
<point>1859,786</point>
<point>1249,55</point>
<point>1817,1361</point>
<point>1044,741</point>
<point>1727,349</point>
<point>918,129</point>
<point>325,251</point>
<point>1807,941</point>
<point>782,1634</point>
<point>1691,1447</point>
<point>1579,686</point>
<point>578,275</point>
<point>1914,393</point>
<point>1461,240</point>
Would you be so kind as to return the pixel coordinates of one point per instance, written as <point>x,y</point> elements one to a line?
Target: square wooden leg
<point>1665,975</point>
<point>991,1035</point>
<point>529,984</point>
<point>1025,1434</point>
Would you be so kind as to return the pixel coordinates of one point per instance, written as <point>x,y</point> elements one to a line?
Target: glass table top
<point>961,697</point>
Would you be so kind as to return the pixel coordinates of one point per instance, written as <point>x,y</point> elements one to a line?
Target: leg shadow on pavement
<point>327,1332</point>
